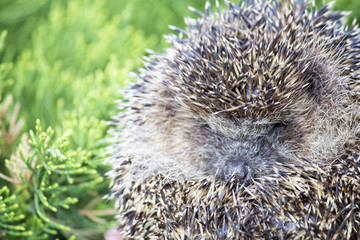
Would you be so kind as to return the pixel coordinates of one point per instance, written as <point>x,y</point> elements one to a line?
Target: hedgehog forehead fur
<point>264,90</point>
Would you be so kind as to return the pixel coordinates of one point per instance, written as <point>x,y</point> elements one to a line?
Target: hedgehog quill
<point>247,127</point>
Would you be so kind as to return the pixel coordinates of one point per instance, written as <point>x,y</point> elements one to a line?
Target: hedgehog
<point>247,127</point>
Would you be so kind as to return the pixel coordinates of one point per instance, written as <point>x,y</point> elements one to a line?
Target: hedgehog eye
<point>279,126</point>
<point>311,84</point>
<point>205,125</point>
<point>313,80</point>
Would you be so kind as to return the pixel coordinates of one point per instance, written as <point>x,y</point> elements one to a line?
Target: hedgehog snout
<point>237,169</point>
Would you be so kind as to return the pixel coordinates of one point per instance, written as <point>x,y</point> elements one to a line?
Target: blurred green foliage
<point>352,6</point>
<point>48,177</point>
<point>63,62</point>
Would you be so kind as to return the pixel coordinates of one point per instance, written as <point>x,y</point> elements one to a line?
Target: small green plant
<point>12,215</point>
<point>48,178</point>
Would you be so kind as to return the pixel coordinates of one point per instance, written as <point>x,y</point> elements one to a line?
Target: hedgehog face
<point>245,147</point>
<point>251,88</point>
<point>313,126</point>
<point>268,92</point>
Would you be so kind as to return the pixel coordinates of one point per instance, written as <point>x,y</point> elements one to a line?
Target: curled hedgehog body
<point>247,127</point>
